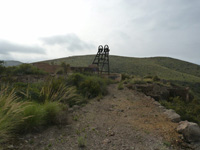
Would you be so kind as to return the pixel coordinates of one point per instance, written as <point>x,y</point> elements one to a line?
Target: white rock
<point>173,115</point>
<point>156,103</point>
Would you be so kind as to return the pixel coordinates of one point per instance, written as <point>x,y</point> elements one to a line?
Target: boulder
<point>162,108</point>
<point>173,115</point>
<point>156,103</point>
<point>190,131</point>
<point>76,107</point>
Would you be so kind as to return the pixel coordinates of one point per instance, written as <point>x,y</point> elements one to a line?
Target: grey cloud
<point>170,15</point>
<point>161,28</point>
<point>71,41</point>
<point>7,47</point>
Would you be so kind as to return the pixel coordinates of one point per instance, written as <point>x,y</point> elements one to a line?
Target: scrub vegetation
<point>28,107</point>
<point>172,70</point>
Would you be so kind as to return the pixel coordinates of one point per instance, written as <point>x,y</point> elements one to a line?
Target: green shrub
<point>65,67</point>
<point>92,86</point>
<point>34,115</point>
<point>125,76</point>
<point>2,69</point>
<point>76,79</point>
<point>120,86</point>
<point>88,86</point>
<point>52,109</point>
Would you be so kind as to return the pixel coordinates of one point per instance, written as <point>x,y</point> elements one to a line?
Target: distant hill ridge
<point>9,63</point>
<point>164,67</point>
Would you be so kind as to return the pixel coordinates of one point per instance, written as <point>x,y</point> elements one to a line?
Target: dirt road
<point>122,120</point>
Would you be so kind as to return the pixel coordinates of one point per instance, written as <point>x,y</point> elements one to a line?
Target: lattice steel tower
<point>102,59</point>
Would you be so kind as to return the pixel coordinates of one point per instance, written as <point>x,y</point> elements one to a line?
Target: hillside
<point>87,111</point>
<point>164,67</point>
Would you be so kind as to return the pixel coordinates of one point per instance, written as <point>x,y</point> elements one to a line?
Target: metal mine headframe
<point>102,59</point>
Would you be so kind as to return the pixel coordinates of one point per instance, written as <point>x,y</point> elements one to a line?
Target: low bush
<point>34,115</point>
<point>37,115</point>
<point>51,111</point>
<point>125,76</point>
<point>76,79</point>
<point>88,86</point>
<point>92,86</point>
<point>120,86</point>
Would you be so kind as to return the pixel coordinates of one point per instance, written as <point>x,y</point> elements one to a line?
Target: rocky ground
<point>122,120</point>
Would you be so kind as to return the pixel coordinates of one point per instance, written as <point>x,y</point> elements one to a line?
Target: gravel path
<point>122,120</point>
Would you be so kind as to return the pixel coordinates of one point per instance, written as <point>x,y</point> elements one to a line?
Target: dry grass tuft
<point>10,113</point>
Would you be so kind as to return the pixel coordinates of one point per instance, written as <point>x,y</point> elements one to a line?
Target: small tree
<point>1,62</point>
<point>2,68</point>
<point>66,67</point>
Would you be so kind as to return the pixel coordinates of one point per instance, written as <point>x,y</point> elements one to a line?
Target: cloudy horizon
<point>48,29</point>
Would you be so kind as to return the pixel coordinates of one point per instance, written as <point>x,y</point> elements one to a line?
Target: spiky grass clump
<point>10,113</point>
<point>56,90</point>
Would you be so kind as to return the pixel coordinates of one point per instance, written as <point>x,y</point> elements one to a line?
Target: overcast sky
<point>34,30</point>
